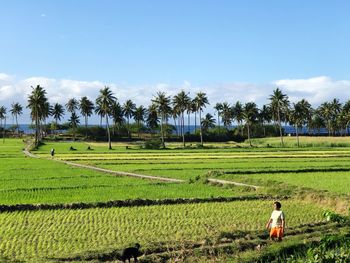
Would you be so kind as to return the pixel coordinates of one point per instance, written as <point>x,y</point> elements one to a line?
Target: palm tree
<point>3,111</point>
<point>86,107</point>
<point>218,108</point>
<point>201,101</point>
<point>73,123</point>
<point>139,116</point>
<point>317,121</point>
<point>181,102</point>
<point>37,103</point>
<point>336,107</point>
<point>237,114</point>
<point>72,105</point>
<point>16,110</point>
<point>307,110</point>
<point>162,103</point>
<point>250,115</point>
<point>57,113</point>
<point>99,111</point>
<point>152,117</point>
<point>279,103</point>
<point>189,110</point>
<point>105,101</point>
<point>129,108</point>
<point>117,115</point>
<point>208,122</point>
<point>298,118</point>
<point>265,116</point>
<point>326,112</point>
<point>226,114</point>
<point>2,114</point>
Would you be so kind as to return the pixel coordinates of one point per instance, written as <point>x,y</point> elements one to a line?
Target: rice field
<point>47,235</point>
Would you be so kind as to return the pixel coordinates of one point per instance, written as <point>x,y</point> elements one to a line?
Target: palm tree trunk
<point>280,126</point>
<point>297,135</point>
<point>195,121</point>
<point>4,131</point>
<point>109,134</point>
<point>162,131</point>
<point>200,126</point>
<point>218,119</point>
<point>188,123</point>
<point>183,129</point>
<point>86,124</point>
<point>248,132</point>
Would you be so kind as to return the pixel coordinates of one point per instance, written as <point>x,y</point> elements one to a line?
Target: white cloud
<point>316,90</point>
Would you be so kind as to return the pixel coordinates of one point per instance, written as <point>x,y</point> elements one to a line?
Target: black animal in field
<point>131,252</point>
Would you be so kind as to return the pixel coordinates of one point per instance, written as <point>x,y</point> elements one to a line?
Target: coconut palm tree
<point>99,111</point>
<point>250,116</point>
<point>265,116</point>
<point>162,103</point>
<point>72,105</point>
<point>279,103</point>
<point>105,101</point>
<point>218,108</point>
<point>16,110</point>
<point>57,113</point>
<point>86,107</point>
<point>129,108</point>
<point>181,102</point>
<point>208,122</point>
<point>117,115</point>
<point>297,118</point>
<point>139,116</point>
<point>74,122</point>
<point>317,121</point>
<point>152,117</point>
<point>336,107</point>
<point>226,114</point>
<point>307,110</point>
<point>37,103</point>
<point>327,113</point>
<point>201,101</point>
<point>189,110</point>
<point>3,112</point>
<point>237,114</point>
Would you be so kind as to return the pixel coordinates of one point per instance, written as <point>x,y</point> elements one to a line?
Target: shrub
<point>153,144</point>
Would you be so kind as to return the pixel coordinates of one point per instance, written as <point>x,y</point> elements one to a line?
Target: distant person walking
<point>276,223</point>
<point>52,153</point>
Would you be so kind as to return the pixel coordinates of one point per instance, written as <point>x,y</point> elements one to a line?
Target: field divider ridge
<point>134,203</point>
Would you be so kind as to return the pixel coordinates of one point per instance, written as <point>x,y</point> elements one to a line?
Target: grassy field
<point>52,234</point>
<point>65,233</point>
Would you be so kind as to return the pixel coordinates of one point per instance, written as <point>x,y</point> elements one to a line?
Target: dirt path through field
<point>150,177</point>
<point>103,170</point>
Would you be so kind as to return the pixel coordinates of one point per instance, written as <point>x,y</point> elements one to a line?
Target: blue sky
<point>144,45</point>
<point>171,41</point>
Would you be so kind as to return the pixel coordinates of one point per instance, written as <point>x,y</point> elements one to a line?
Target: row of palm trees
<point>332,115</point>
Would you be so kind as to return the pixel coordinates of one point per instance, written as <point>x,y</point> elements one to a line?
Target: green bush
<point>153,144</point>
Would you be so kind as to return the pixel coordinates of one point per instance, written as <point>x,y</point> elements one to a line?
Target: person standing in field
<point>276,223</point>
<point>52,153</point>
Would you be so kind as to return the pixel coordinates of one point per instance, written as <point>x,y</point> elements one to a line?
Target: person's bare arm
<point>268,223</point>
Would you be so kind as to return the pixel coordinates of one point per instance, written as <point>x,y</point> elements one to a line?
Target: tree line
<point>332,115</point>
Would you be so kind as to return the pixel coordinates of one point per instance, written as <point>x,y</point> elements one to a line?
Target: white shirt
<point>277,216</point>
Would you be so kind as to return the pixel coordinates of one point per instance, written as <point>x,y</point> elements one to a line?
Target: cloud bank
<point>315,89</point>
